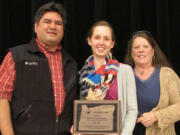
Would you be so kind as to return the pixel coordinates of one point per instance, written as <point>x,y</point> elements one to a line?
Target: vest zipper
<point>57,120</point>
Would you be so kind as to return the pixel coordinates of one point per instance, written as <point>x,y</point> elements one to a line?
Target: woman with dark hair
<point>158,86</point>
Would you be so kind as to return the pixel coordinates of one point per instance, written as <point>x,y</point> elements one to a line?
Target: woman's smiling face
<point>142,51</point>
<point>101,41</point>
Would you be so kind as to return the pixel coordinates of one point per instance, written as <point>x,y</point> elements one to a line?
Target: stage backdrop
<point>160,17</point>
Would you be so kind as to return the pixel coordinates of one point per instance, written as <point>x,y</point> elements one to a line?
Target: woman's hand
<point>147,119</point>
<point>71,130</point>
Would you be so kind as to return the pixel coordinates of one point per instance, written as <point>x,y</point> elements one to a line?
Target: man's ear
<point>35,27</point>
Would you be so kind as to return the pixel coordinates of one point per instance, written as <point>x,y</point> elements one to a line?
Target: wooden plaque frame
<point>88,127</point>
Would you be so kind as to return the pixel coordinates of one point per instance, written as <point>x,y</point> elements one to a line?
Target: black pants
<point>139,129</point>
<point>177,128</point>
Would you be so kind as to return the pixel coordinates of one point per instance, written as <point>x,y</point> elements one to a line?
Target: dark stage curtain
<point>160,17</point>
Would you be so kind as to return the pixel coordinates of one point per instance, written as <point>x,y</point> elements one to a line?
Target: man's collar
<point>36,46</point>
<point>33,47</point>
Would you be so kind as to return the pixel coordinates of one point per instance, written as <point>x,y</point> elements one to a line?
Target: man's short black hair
<point>51,6</point>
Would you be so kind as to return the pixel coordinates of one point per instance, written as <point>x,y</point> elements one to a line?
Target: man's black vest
<point>32,105</point>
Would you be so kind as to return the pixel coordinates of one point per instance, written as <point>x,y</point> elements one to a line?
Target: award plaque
<point>96,117</point>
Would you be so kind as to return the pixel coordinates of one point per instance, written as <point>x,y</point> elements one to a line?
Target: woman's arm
<point>170,114</point>
<point>131,103</point>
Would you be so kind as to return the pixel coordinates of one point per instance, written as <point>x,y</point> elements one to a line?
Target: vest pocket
<point>36,117</point>
<point>22,115</point>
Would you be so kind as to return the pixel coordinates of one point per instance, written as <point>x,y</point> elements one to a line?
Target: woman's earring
<point>131,59</point>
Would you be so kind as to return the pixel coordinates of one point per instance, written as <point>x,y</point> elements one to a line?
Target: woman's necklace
<point>142,72</point>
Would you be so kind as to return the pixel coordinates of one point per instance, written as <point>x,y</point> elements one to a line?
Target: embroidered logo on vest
<point>31,63</point>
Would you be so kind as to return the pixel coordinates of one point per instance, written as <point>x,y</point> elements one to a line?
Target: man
<point>38,80</point>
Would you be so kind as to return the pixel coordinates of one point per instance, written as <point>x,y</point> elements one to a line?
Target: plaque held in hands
<point>96,117</point>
